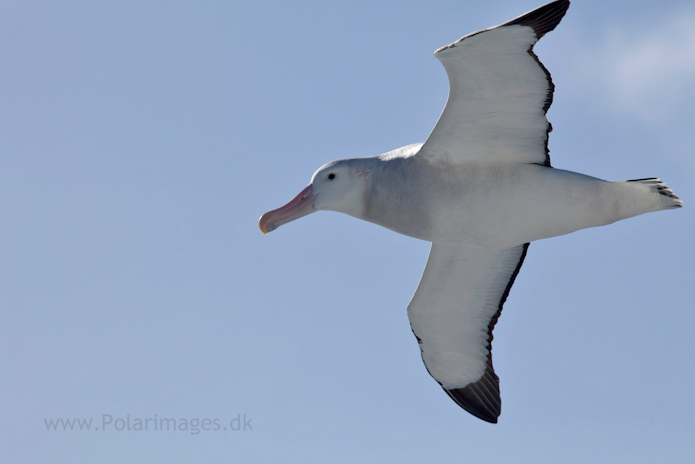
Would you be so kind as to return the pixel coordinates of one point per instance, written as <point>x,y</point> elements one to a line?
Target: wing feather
<point>499,93</point>
<point>453,313</point>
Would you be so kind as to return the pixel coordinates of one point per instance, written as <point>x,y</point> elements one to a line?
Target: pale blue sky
<point>140,143</point>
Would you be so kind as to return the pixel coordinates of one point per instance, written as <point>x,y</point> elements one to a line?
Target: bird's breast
<point>494,206</point>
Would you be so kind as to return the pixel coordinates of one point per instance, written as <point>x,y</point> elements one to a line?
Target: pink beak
<point>301,205</point>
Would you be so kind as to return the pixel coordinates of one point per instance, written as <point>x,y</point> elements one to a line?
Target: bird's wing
<point>499,93</point>
<point>452,314</point>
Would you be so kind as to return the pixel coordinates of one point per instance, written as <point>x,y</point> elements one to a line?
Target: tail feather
<point>656,185</point>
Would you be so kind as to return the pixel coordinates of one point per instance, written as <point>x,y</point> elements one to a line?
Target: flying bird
<point>480,188</point>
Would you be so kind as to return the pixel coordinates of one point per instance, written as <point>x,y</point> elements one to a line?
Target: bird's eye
<point>331,176</point>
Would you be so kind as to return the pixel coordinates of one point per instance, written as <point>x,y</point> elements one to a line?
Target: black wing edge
<point>543,19</point>
<point>482,398</point>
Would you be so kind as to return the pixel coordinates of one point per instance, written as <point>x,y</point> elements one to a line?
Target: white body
<point>496,205</point>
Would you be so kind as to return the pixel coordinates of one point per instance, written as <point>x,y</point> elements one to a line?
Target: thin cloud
<point>650,73</point>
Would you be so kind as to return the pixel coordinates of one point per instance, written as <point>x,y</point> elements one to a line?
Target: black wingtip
<point>481,398</point>
<point>543,19</point>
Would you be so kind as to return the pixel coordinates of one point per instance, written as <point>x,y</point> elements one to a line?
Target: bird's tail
<point>661,195</point>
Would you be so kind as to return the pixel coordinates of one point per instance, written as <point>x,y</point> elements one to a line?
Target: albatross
<point>480,188</point>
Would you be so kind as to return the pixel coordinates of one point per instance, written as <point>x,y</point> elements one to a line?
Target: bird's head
<point>336,186</point>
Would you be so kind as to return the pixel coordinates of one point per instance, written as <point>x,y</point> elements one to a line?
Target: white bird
<point>480,189</point>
